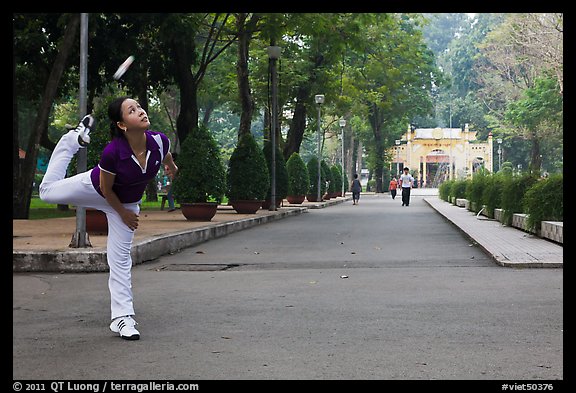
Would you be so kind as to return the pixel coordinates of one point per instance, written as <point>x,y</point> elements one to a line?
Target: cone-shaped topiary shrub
<point>247,177</point>
<point>201,174</point>
<point>298,178</point>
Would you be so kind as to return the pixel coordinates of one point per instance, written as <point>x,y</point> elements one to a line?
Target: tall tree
<point>397,77</point>
<point>23,176</point>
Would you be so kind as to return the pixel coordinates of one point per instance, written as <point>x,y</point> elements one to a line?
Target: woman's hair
<point>115,115</point>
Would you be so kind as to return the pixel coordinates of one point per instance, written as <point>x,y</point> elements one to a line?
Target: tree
<point>538,114</point>
<point>395,78</point>
<point>23,176</point>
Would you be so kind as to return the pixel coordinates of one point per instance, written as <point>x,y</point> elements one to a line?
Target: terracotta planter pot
<point>199,211</point>
<point>96,222</point>
<point>266,203</point>
<point>312,198</point>
<point>246,207</point>
<point>295,199</point>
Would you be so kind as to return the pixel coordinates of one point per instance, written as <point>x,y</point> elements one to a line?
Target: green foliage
<point>313,177</point>
<point>327,174</point>
<point>475,189</point>
<point>298,179</point>
<point>458,188</point>
<point>444,190</point>
<point>513,191</point>
<point>337,177</point>
<point>507,168</point>
<point>281,172</point>
<point>201,173</point>
<point>492,193</point>
<point>544,201</point>
<point>247,177</point>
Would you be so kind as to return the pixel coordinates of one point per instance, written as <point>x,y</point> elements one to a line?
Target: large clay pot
<point>312,197</point>
<point>266,203</point>
<point>246,206</point>
<point>295,199</point>
<point>199,211</point>
<point>96,222</point>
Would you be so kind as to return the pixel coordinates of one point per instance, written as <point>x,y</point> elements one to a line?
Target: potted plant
<point>247,177</point>
<point>312,195</point>
<point>337,180</point>
<point>298,179</point>
<point>281,176</point>
<point>200,183</point>
<point>327,174</point>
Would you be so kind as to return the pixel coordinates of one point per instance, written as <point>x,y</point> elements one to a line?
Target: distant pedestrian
<point>169,195</point>
<point>356,188</point>
<point>407,182</point>
<point>392,187</point>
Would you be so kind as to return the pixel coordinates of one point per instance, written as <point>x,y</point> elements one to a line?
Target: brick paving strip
<point>508,246</point>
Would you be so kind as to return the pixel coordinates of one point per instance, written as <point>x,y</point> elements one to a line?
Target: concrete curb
<point>94,260</point>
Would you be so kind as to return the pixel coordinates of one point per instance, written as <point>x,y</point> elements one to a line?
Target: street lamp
<point>273,55</point>
<point>499,140</point>
<point>397,142</point>
<point>319,98</point>
<point>342,125</point>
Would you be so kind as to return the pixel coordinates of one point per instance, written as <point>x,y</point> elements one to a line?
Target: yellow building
<point>437,154</point>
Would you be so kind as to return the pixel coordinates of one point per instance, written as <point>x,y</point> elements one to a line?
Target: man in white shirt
<point>407,182</point>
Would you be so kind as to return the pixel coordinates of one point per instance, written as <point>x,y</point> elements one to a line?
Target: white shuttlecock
<point>123,67</point>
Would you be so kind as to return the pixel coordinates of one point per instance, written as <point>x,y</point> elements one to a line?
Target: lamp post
<point>499,140</point>
<point>342,125</point>
<point>319,98</point>
<point>397,142</point>
<point>80,238</point>
<point>273,55</point>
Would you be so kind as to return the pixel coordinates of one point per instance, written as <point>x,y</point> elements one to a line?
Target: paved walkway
<point>42,245</point>
<point>508,246</point>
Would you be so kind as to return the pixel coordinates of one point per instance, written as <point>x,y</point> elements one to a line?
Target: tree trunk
<point>298,124</point>
<point>22,183</point>
<point>246,100</point>
<point>188,117</point>
<point>535,158</point>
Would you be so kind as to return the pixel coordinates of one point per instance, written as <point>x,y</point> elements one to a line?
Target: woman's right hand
<point>130,219</point>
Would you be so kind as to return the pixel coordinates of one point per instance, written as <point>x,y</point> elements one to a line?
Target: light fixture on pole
<point>342,123</point>
<point>397,142</point>
<point>319,98</point>
<point>273,55</point>
<point>499,140</point>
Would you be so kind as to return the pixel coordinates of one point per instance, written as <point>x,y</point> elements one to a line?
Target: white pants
<point>79,191</point>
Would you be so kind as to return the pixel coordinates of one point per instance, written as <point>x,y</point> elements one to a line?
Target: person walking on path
<point>407,182</point>
<point>115,186</point>
<point>356,188</point>
<point>392,187</point>
<point>170,194</point>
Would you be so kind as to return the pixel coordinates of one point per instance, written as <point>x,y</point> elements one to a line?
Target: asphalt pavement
<point>375,291</point>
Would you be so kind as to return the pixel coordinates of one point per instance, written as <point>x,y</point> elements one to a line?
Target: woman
<point>127,164</point>
<point>393,186</point>
<point>356,188</point>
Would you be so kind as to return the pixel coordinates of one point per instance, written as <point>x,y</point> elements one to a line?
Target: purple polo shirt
<point>131,180</point>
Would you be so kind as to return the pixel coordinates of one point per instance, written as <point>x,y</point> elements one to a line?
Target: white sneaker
<point>83,130</point>
<point>125,327</point>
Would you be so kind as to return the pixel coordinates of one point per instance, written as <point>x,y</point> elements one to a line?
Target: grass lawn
<point>40,210</point>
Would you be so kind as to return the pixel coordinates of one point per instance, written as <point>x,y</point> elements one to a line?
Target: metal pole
<point>319,154</point>
<point>80,238</point>
<point>273,135</point>
<point>343,192</point>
